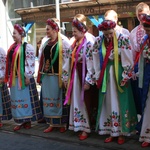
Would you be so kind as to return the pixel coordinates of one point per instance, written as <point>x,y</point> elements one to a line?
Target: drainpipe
<point>57,11</point>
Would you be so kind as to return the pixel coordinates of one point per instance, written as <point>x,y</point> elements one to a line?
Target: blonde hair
<point>81,18</point>
<point>55,19</point>
<point>141,6</point>
<point>112,13</point>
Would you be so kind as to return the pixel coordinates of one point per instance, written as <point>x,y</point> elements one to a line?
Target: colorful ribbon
<point>106,55</point>
<point>73,68</point>
<point>103,53</point>
<point>17,66</point>
<point>116,61</point>
<point>141,65</point>
<point>58,52</point>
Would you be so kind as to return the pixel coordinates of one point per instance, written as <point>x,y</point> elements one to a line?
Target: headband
<point>53,24</point>
<point>20,29</point>
<point>106,25</point>
<point>79,25</point>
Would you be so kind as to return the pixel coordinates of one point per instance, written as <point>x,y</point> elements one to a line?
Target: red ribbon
<point>108,50</point>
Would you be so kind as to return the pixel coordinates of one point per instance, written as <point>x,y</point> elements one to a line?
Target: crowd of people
<point>87,83</point>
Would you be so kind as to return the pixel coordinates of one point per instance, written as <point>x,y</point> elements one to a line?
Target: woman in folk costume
<point>19,75</point>
<point>135,37</point>
<point>80,78</point>
<point>112,59</point>
<point>49,76</point>
<point>5,103</point>
<point>144,82</point>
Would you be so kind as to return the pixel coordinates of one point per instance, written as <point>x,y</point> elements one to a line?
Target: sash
<point>106,54</point>
<point>141,65</point>
<point>20,102</point>
<point>73,68</point>
<point>116,61</point>
<point>104,63</point>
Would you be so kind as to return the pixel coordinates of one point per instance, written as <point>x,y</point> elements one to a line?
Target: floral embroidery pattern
<point>46,98</point>
<point>146,51</point>
<point>46,67</point>
<point>97,44</point>
<point>19,106</point>
<point>89,51</point>
<point>65,75</point>
<point>124,43</point>
<point>113,120</point>
<point>57,105</point>
<point>78,117</point>
<point>29,61</point>
<point>129,121</point>
<point>147,131</point>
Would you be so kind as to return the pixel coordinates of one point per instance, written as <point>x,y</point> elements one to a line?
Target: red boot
<point>109,139</point>
<point>145,144</point>
<point>49,129</point>
<point>27,125</point>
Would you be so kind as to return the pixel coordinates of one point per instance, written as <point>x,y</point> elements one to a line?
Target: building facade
<point>34,13</point>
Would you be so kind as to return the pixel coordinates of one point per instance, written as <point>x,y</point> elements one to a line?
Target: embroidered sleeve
<point>89,62</point>
<point>135,38</point>
<point>96,58</point>
<point>126,57</point>
<point>66,60</point>
<point>2,62</point>
<point>146,50</point>
<point>29,61</point>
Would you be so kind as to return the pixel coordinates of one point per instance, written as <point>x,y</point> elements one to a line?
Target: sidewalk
<point>96,141</point>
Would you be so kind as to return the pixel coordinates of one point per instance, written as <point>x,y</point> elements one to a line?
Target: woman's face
<point>140,13</point>
<point>109,34</point>
<point>77,34</point>
<point>16,36</point>
<point>49,31</point>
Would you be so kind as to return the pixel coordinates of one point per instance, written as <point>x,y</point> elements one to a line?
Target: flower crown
<point>19,29</point>
<point>145,19</point>
<point>106,25</point>
<point>53,24</point>
<point>79,25</point>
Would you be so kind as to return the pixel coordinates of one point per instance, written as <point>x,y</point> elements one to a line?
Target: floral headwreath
<point>20,29</point>
<point>53,24</point>
<point>79,25</point>
<point>106,25</point>
<point>145,19</point>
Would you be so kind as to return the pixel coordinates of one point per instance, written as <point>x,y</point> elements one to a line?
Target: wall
<point>5,28</point>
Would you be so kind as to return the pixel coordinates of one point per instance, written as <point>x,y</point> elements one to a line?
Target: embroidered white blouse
<point>2,62</point>
<point>29,61</point>
<point>124,51</point>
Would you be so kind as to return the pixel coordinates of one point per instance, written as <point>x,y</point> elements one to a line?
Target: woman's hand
<point>1,80</point>
<point>86,86</point>
<point>123,83</point>
<point>65,84</point>
<point>27,81</point>
<point>134,77</point>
